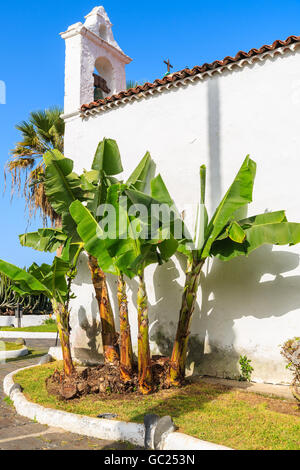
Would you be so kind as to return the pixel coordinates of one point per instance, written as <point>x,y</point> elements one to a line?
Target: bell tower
<point>95,64</point>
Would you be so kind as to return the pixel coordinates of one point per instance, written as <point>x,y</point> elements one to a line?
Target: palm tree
<point>133,84</point>
<point>43,131</point>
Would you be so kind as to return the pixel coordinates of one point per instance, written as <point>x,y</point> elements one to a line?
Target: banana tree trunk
<point>62,318</point>
<point>144,357</point>
<point>126,353</point>
<point>109,335</point>
<point>176,374</point>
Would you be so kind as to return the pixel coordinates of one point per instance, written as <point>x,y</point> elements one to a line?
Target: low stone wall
<point>26,321</point>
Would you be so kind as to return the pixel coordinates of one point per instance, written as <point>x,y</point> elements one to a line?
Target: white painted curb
<point>92,427</point>
<point>13,354</point>
<point>179,441</point>
<point>26,335</point>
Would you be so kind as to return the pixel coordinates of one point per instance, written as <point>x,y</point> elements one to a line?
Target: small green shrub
<point>8,401</point>
<point>246,369</point>
<point>291,352</point>
<point>50,321</point>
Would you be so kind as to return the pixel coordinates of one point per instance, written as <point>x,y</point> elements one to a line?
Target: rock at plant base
<point>15,387</point>
<point>164,426</point>
<point>68,390</point>
<point>150,422</point>
<point>46,359</point>
<point>83,388</point>
<point>82,372</point>
<point>155,429</point>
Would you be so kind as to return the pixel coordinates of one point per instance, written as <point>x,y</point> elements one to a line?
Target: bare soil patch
<point>274,404</point>
<point>103,380</point>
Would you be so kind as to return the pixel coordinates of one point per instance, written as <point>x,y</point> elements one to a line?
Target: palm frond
<point>42,132</point>
<point>133,84</point>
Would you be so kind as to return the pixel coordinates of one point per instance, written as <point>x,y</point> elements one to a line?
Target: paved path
<point>17,433</point>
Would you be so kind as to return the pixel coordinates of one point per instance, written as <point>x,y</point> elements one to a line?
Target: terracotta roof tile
<point>191,72</point>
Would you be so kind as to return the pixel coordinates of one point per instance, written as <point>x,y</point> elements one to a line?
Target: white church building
<point>213,114</point>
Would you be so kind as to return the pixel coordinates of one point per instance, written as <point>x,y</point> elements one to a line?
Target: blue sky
<point>189,33</point>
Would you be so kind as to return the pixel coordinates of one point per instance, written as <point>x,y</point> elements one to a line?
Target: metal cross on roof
<point>168,64</point>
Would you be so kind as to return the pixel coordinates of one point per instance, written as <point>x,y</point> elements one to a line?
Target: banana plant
<point>62,187</point>
<point>96,246</point>
<point>124,252</point>
<point>55,283</point>
<point>136,181</point>
<point>154,248</point>
<point>225,237</point>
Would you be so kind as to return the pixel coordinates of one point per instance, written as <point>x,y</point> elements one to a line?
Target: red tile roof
<point>191,72</point>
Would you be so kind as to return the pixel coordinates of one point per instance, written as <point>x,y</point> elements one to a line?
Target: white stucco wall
<point>247,306</point>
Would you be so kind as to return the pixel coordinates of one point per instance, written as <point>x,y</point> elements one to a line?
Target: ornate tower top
<point>94,61</point>
<point>99,23</point>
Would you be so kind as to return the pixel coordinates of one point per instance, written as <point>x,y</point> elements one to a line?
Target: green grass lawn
<point>51,328</point>
<point>10,346</point>
<point>214,413</point>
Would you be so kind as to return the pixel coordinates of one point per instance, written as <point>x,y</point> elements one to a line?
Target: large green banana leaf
<point>139,198</point>
<point>57,278</point>
<point>53,276</point>
<point>107,158</point>
<point>113,253</point>
<point>138,179</point>
<point>43,240</point>
<point>62,187</point>
<point>25,283</point>
<point>238,195</point>
<point>160,192</point>
<point>261,219</point>
<point>269,228</point>
<point>103,180</point>
<point>44,279</point>
<point>130,249</point>
<point>236,229</point>
<point>92,236</point>
<point>159,196</point>
<point>50,240</point>
<point>119,251</point>
<point>107,161</point>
